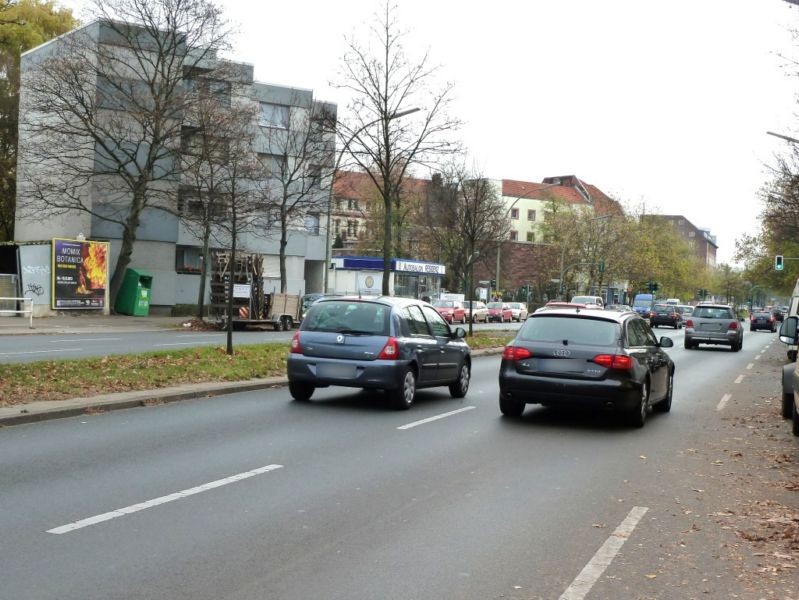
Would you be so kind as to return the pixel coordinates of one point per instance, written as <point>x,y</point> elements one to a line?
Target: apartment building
<point>702,241</point>
<point>167,244</point>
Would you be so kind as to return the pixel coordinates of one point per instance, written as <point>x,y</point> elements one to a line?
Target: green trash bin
<point>134,295</point>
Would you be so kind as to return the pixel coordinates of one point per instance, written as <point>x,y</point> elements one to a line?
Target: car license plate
<point>337,371</point>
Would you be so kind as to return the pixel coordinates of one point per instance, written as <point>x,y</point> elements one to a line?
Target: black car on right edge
<point>587,358</point>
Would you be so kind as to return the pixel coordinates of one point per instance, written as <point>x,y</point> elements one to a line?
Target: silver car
<point>714,324</point>
<point>386,343</point>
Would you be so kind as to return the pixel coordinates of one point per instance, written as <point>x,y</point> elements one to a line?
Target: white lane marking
<point>85,340</point>
<point>436,418</point>
<point>184,343</point>
<point>750,365</point>
<point>583,583</point>
<point>41,351</point>
<point>723,402</point>
<point>757,357</point>
<point>121,512</point>
<point>739,379</point>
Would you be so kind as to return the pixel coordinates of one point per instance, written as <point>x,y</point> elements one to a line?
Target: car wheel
<point>792,355</point>
<point>402,397</point>
<point>459,388</point>
<point>511,407</point>
<point>301,391</point>
<point>787,405</point>
<point>738,347</point>
<point>751,328</point>
<point>689,345</point>
<point>795,427</point>
<point>638,414</point>
<point>664,405</point>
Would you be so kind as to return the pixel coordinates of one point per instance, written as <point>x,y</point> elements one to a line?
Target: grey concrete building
<point>166,245</point>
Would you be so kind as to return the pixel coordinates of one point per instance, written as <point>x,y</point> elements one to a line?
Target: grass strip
<point>22,383</point>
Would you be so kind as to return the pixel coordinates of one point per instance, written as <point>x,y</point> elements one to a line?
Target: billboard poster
<point>80,274</point>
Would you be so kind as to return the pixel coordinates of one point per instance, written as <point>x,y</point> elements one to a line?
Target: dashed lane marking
<point>436,418</point>
<point>723,402</point>
<point>121,512</point>
<point>583,583</point>
<point>739,379</point>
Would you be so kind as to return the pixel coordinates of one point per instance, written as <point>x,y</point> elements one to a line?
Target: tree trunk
<point>126,250</point>
<point>203,270</point>
<point>282,258</point>
<point>387,244</point>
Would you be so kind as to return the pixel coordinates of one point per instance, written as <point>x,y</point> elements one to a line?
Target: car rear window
<point>344,316</point>
<point>712,312</point>
<point>574,330</point>
<point>494,305</point>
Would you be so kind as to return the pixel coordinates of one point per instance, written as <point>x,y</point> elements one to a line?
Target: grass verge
<point>58,380</point>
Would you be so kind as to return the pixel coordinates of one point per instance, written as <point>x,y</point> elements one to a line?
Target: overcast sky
<point>662,103</point>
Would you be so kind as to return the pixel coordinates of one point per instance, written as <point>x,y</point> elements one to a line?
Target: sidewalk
<point>64,324</point>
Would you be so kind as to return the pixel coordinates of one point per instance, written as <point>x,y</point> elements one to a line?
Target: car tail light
<point>296,347</point>
<point>771,319</point>
<point>751,317</point>
<point>390,351</point>
<point>733,325</point>
<point>689,323</point>
<point>621,362</point>
<point>516,353</point>
<point>652,315</point>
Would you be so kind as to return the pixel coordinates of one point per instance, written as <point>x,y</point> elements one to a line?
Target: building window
<point>338,226</point>
<point>273,115</point>
<point>188,259</point>
<point>514,235</point>
<point>514,213</point>
<point>338,204</point>
<point>352,228</point>
<point>312,223</point>
<point>691,234</point>
<point>273,165</point>
<point>352,204</point>
<point>531,215</point>
<point>530,236</point>
<point>315,176</point>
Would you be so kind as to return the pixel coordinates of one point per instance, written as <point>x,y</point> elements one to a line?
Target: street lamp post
<point>470,270</point>
<point>393,116</point>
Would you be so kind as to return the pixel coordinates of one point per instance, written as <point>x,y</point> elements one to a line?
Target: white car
<point>596,301</point>
<point>519,311</point>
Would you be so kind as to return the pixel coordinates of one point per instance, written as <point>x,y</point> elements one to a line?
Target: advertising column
<point>80,274</point>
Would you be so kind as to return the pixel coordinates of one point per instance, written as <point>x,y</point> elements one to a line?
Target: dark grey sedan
<point>386,343</point>
<point>587,358</point>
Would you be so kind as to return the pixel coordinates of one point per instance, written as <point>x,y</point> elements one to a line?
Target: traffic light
<point>779,263</point>
<point>493,284</point>
<point>601,266</point>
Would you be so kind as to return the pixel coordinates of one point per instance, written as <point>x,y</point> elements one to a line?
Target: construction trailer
<point>251,305</point>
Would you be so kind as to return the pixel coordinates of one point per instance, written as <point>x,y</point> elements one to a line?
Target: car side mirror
<point>788,330</point>
<point>459,332</point>
<point>666,342</point>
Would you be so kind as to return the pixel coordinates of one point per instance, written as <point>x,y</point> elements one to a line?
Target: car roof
<point>592,313</point>
<point>387,300</point>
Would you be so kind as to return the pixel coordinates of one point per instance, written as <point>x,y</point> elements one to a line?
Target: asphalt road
<point>343,498</point>
<point>30,348</point>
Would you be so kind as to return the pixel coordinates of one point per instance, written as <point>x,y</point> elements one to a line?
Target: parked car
<point>477,314</point>
<point>587,358</point>
<point>618,307</point>
<point>790,378</point>
<point>500,312</point>
<point>451,310</point>
<point>389,343</point>
<point>762,320</point>
<point>588,300</point>
<point>714,324</point>
<point>518,311</point>
<point>665,314</point>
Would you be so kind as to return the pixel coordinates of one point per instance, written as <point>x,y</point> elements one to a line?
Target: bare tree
<point>464,216</point>
<point>103,113</point>
<point>382,137</point>
<point>221,118</point>
<point>300,144</point>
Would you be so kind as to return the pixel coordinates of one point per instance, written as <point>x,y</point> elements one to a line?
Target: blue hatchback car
<point>387,343</point>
